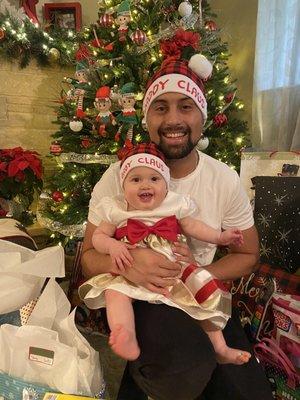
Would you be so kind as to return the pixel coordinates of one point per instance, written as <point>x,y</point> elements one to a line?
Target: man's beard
<point>176,151</point>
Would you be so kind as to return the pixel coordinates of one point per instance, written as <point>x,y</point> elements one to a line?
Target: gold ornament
<point>54,54</point>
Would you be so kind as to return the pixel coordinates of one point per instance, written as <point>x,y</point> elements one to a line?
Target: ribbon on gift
<point>136,230</point>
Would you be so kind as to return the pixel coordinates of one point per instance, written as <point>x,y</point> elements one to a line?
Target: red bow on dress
<point>136,230</point>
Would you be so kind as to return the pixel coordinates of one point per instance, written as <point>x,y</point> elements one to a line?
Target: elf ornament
<point>123,19</point>
<point>102,104</point>
<point>128,115</point>
<point>80,84</point>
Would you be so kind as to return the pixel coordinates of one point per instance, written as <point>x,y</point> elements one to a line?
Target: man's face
<point>175,124</point>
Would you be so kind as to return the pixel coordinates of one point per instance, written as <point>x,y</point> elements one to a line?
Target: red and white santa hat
<point>144,155</point>
<point>103,93</point>
<point>186,76</point>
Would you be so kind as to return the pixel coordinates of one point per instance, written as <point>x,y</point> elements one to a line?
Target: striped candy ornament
<point>106,20</point>
<point>138,37</point>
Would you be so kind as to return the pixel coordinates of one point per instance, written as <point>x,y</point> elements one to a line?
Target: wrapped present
<point>58,396</point>
<point>252,294</point>
<point>274,163</point>
<point>277,218</point>
<point>12,388</point>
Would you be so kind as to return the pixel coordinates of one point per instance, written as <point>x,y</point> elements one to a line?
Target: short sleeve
<point>103,210</point>
<point>188,207</point>
<point>109,185</point>
<point>237,212</point>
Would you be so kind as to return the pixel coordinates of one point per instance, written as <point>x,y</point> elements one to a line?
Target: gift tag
<point>43,356</point>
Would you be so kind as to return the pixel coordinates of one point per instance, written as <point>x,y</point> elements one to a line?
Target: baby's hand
<point>120,255</point>
<point>232,236</point>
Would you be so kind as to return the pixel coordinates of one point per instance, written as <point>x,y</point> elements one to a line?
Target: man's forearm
<point>233,266</point>
<point>94,263</point>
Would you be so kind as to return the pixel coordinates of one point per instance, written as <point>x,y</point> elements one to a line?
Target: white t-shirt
<point>216,189</point>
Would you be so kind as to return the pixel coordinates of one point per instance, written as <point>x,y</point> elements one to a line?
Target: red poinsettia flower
<point>174,46</point>
<point>184,38</point>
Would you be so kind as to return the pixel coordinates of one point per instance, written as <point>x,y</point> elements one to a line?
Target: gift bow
<point>166,228</point>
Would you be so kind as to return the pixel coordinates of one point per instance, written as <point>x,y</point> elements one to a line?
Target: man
<point>177,360</point>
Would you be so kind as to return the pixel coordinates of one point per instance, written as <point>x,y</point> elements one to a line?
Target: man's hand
<point>152,270</point>
<point>183,253</point>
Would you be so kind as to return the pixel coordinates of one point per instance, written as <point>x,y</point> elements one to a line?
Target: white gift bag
<point>23,273</point>
<point>50,350</point>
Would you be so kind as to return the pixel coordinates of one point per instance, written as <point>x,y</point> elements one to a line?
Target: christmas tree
<point>100,110</point>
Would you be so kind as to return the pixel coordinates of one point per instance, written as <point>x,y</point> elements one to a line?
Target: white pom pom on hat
<point>201,66</point>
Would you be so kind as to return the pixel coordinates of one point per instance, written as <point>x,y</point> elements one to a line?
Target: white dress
<point>197,292</point>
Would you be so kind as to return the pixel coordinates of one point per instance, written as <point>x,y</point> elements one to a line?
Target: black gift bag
<point>277,218</point>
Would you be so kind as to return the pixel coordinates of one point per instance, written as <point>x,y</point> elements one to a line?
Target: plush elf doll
<point>102,104</point>
<point>123,19</point>
<point>80,84</point>
<point>128,115</point>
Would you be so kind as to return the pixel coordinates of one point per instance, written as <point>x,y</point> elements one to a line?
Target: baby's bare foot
<point>124,343</point>
<point>227,355</point>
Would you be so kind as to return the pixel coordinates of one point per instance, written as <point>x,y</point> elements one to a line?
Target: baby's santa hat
<point>184,70</point>
<point>144,155</point>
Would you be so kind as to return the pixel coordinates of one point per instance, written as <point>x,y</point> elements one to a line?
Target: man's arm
<point>149,269</point>
<point>242,260</point>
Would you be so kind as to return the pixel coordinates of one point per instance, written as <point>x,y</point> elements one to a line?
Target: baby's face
<point>144,189</point>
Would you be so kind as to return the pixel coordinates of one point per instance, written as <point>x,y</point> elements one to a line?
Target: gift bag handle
<point>262,349</point>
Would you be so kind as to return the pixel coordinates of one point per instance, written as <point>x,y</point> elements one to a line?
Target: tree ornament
<point>210,26</point>
<point>80,85</point>
<point>57,196</point>
<point>76,125</point>
<point>229,97</point>
<point>2,34</point>
<point>106,20</point>
<point>128,116</point>
<point>123,19</point>
<point>203,143</point>
<point>54,54</point>
<point>55,149</point>
<point>86,142</point>
<point>201,66</point>
<point>102,104</point>
<point>220,120</point>
<point>138,37</point>
<point>185,9</point>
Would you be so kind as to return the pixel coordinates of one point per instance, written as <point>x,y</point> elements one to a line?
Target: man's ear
<point>144,124</point>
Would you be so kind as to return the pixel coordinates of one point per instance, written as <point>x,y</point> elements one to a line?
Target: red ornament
<point>229,97</point>
<point>57,196</point>
<point>220,120</point>
<point>106,20</point>
<point>2,34</point>
<point>86,142</point>
<point>210,26</point>
<point>55,148</point>
<point>138,37</point>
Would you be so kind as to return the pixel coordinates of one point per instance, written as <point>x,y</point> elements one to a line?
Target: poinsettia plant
<point>20,178</point>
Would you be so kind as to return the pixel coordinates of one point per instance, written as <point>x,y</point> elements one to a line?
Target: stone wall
<point>27,101</point>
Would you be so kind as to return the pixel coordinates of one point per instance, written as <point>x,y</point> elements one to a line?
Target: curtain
<point>276,91</point>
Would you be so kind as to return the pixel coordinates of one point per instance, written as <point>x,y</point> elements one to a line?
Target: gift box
<point>252,296</point>
<point>277,218</point>
<point>276,163</point>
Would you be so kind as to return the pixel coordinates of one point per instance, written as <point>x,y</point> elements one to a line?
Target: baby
<point>150,215</point>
